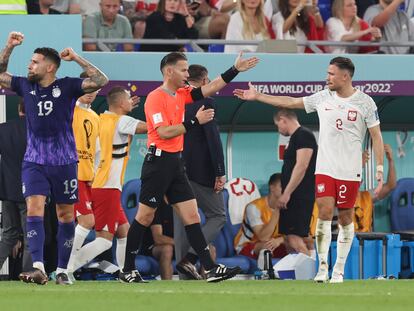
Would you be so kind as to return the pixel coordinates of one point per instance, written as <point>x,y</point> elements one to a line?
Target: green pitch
<point>369,295</point>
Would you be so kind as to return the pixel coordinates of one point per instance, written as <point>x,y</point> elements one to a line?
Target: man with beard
<point>344,114</point>
<point>50,163</point>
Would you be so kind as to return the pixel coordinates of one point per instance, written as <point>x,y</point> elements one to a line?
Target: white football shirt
<point>343,123</point>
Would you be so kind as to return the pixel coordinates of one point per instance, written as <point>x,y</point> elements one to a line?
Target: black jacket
<point>203,151</point>
<point>12,149</point>
<point>158,28</point>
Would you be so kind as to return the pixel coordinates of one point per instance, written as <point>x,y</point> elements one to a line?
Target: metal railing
<point>195,43</point>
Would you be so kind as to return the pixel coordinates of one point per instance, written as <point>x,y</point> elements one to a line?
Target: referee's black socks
<point>198,243</point>
<point>134,241</point>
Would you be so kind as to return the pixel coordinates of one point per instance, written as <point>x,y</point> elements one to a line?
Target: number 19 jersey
<point>49,114</point>
<point>343,123</point>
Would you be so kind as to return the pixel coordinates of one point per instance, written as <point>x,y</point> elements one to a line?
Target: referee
<point>163,171</point>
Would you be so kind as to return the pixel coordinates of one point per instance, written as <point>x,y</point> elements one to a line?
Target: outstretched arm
<point>96,78</point>
<point>218,83</point>
<point>14,39</point>
<point>277,101</point>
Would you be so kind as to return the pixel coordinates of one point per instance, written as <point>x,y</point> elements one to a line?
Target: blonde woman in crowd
<point>248,23</point>
<point>345,25</point>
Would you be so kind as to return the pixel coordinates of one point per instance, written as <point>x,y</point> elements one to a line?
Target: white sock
<point>345,238</point>
<point>120,252</point>
<point>323,239</point>
<point>90,251</point>
<point>39,265</point>
<point>80,235</point>
<point>61,270</point>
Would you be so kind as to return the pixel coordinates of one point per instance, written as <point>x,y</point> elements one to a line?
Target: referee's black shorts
<point>296,218</point>
<point>164,175</point>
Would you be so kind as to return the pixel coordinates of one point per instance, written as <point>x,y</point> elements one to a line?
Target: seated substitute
<point>259,229</point>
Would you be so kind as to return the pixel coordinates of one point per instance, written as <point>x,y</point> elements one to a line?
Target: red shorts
<point>84,205</point>
<point>343,191</point>
<point>248,250</point>
<point>106,205</point>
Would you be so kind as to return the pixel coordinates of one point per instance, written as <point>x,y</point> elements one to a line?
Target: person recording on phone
<point>298,20</point>
<point>171,20</point>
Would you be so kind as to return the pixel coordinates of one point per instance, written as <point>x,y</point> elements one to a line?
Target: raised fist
<point>15,38</point>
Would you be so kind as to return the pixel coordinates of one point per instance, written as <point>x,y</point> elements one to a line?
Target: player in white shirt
<point>345,114</point>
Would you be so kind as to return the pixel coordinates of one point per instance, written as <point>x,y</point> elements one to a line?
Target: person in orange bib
<point>85,129</point>
<point>116,130</point>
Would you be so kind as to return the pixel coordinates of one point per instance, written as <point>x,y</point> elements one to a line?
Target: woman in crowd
<point>345,25</point>
<point>248,23</point>
<point>171,20</point>
<point>298,20</point>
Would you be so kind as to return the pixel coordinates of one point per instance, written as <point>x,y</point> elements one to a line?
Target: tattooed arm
<point>14,39</point>
<point>96,78</point>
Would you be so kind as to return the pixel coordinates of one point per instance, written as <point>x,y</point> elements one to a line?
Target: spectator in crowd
<point>295,22</point>
<point>248,23</point>
<point>14,210</point>
<point>345,25</point>
<point>260,224</point>
<point>68,6</point>
<point>394,23</point>
<point>204,162</point>
<point>209,21</point>
<point>171,20</point>
<point>159,241</point>
<point>107,24</point>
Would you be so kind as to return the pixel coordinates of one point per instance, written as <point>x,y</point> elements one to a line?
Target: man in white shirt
<point>344,114</point>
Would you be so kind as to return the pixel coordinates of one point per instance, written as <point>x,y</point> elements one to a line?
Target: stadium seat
<point>402,207</point>
<point>130,198</point>
<point>216,48</point>
<point>229,232</point>
<point>325,8</point>
<point>129,201</point>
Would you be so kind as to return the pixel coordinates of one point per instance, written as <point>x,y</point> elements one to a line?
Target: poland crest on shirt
<point>343,123</point>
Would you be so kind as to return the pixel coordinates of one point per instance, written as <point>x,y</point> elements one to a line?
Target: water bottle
<point>258,274</point>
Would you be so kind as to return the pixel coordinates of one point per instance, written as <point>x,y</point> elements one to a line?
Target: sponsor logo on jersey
<point>352,115</point>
